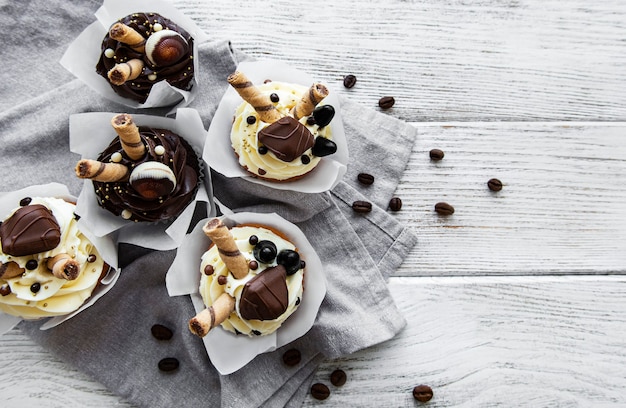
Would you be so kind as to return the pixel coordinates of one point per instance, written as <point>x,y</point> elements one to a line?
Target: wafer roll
<point>251,94</point>
<point>99,171</point>
<point>127,35</point>
<point>129,136</point>
<point>309,100</point>
<point>63,266</point>
<point>227,247</point>
<point>10,270</point>
<point>214,315</point>
<point>125,71</point>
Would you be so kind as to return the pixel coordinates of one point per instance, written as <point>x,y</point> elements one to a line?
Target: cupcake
<point>281,130</point>
<point>48,266</point>
<point>252,280</point>
<point>142,49</point>
<point>146,174</point>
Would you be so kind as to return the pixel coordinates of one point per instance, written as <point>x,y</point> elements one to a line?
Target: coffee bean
<point>386,102</point>
<point>161,332</point>
<point>168,364</point>
<point>365,178</point>
<point>320,391</point>
<point>422,393</point>
<point>395,204</point>
<point>349,81</point>
<point>362,206</point>
<point>436,154</point>
<point>444,209</point>
<point>494,184</point>
<point>25,201</point>
<point>338,378</point>
<point>292,357</point>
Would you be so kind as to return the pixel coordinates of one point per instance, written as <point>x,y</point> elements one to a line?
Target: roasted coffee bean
<point>365,178</point>
<point>25,201</point>
<point>362,206</point>
<point>444,209</point>
<point>320,391</point>
<point>168,364</point>
<point>395,204</point>
<point>436,154</point>
<point>292,357</point>
<point>422,393</point>
<point>386,102</point>
<point>161,332</point>
<point>494,184</point>
<point>338,378</point>
<point>349,81</point>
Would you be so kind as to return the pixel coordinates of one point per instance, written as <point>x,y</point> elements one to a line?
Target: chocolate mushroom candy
<point>166,47</point>
<point>152,180</point>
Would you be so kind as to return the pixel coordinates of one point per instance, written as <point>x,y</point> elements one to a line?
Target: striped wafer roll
<point>63,266</point>
<point>212,316</point>
<point>227,247</point>
<point>309,100</point>
<point>99,171</point>
<point>251,94</point>
<point>127,35</point>
<point>129,136</point>
<point>10,270</point>
<point>125,71</point>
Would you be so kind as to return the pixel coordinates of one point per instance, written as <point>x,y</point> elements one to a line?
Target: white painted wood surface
<point>479,336</point>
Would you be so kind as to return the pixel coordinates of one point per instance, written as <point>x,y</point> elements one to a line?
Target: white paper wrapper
<point>83,53</point>
<point>219,154</point>
<point>227,351</point>
<point>106,247</point>
<point>91,133</point>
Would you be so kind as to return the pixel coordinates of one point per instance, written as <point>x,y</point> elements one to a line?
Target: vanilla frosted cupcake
<point>280,132</point>
<point>252,280</point>
<point>48,267</point>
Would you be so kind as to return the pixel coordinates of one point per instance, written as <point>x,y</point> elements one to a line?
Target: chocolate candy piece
<point>264,251</point>
<point>323,147</point>
<point>287,138</point>
<point>422,393</point>
<point>349,81</point>
<point>320,391</point>
<point>161,332</point>
<point>338,378</point>
<point>290,260</point>
<point>30,230</point>
<point>168,364</point>
<point>292,357</point>
<point>266,296</point>
<point>323,115</point>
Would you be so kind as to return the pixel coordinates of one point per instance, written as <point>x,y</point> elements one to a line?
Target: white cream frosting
<point>56,296</point>
<point>210,289</point>
<point>245,141</point>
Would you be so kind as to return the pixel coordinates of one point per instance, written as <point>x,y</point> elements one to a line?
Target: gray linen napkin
<point>111,341</point>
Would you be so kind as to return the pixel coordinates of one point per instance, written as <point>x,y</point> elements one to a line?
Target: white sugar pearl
<point>109,53</point>
<point>152,77</point>
<point>160,150</point>
<point>116,157</point>
<point>157,27</point>
<point>126,214</point>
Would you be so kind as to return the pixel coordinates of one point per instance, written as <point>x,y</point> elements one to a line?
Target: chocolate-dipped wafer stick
<point>125,71</point>
<point>127,35</point>
<point>251,94</point>
<point>227,247</point>
<point>99,171</point>
<point>63,266</point>
<point>10,270</point>
<point>214,315</point>
<point>309,100</point>
<point>129,136</point>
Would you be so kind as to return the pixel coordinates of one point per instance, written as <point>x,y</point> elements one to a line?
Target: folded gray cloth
<point>111,340</point>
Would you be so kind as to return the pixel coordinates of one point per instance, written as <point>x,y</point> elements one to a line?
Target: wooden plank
<point>561,209</point>
<point>496,342</point>
<point>444,60</point>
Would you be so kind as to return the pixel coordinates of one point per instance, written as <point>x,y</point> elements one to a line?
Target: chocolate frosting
<point>178,75</point>
<point>179,156</point>
<point>30,230</point>
<point>287,138</point>
<point>266,296</point>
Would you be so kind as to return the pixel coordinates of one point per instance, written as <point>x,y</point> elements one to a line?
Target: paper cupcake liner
<point>160,235</point>
<point>229,352</point>
<point>105,246</point>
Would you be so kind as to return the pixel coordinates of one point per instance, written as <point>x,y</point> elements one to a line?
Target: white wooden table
<point>519,298</point>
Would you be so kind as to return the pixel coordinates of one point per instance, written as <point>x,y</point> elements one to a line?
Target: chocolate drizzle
<point>266,296</point>
<point>287,138</point>
<point>30,230</point>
